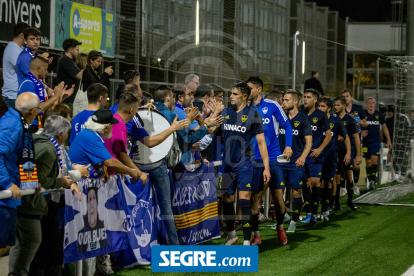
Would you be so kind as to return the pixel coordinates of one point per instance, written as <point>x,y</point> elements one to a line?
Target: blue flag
<point>144,223</point>
<point>194,202</point>
<point>96,225</point>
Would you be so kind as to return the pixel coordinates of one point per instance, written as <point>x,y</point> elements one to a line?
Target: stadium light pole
<point>294,59</point>
<point>197,39</point>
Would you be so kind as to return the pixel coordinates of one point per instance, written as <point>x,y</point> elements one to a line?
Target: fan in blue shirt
<point>293,171</point>
<point>313,167</point>
<point>371,143</point>
<point>330,154</point>
<point>353,135</point>
<point>240,126</point>
<point>273,117</point>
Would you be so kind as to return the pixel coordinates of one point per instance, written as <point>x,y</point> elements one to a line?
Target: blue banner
<point>96,225</point>
<point>205,258</point>
<point>144,223</point>
<point>194,202</point>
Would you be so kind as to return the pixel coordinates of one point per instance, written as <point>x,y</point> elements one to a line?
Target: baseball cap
<point>104,117</point>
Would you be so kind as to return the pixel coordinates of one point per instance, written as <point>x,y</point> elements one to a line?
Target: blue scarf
<point>59,154</point>
<point>29,51</point>
<point>40,89</point>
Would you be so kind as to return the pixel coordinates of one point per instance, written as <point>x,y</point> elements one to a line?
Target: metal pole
<point>78,268</point>
<point>378,82</point>
<point>266,203</point>
<point>294,60</point>
<point>410,28</point>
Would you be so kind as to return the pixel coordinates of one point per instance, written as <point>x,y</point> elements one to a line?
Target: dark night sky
<point>360,10</point>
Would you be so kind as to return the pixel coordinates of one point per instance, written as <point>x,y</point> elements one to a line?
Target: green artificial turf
<point>375,240</point>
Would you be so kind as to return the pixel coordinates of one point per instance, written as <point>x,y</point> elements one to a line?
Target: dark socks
<point>374,170</point>
<point>350,190</point>
<point>229,215</point>
<point>279,218</point>
<point>316,196</point>
<point>255,222</point>
<point>356,175</point>
<point>246,218</point>
<point>297,207</point>
<point>337,204</point>
<point>369,169</point>
<point>307,197</point>
<point>326,196</point>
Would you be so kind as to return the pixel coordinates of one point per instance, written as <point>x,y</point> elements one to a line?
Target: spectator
<point>117,144</point>
<point>89,147</point>
<point>61,109</point>
<point>275,95</point>
<point>82,61</point>
<point>90,74</point>
<point>97,98</point>
<point>67,71</point>
<point>10,55</point>
<point>15,135</point>
<point>32,83</point>
<point>130,76</point>
<point>314,83</point>
<point>193,82</point>
<point>32,41</point>
<point>49,167</point>
<point>218,92</point>
<point>202,96</point>
<point>184,98</point>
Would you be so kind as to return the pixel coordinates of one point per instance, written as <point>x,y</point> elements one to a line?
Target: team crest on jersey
<point>315,120</point>
<point>332,125</point>
<point>265,109</point>
<point>244,118</point>
<point>344,123</point>
<point>355,113</point>
<point>227,117</point>
<point>297,123</point>
<point>376,117</point>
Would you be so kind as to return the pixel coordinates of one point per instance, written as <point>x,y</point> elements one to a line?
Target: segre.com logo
<point>204,258</point>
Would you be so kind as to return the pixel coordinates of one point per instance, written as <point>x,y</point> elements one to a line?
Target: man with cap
<point>89,147</point>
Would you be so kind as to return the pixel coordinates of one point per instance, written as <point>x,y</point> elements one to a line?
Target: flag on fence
<point>194,202</point>
<point>144,223</point>
<point>96,225</point>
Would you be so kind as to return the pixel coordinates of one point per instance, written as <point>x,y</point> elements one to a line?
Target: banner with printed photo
<point>96,225</point>
<point>94,27</point>
<point>144,223</point>
<point>194,202</point>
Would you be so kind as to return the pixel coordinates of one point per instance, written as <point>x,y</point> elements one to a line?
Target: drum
<point>154,123</point>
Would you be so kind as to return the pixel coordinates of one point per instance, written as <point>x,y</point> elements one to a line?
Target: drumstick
<point>149,107</point>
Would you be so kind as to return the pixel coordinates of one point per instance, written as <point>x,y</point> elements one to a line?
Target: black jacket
<point>89,77</point>
<point>315,84</point>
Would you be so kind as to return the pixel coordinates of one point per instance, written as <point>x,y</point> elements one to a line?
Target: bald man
<point>33,82</point>
<point>14,133</point>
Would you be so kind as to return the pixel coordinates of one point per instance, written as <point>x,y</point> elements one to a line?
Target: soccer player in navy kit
<point>313,166</point>
<point>356,159</point>
<point>371,143</point>
<point>357,113</point>
<point>301,144</point>
<point>330,154</point>
<point>273,117</point>
<point>241,125</point>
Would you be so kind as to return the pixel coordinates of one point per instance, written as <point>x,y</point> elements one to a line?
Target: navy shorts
<point>313,167</point>
<point>8,228</point>
<point>341,164</point>
<point>240,177</point>
<point>370,150</point>
<point>276,179</point>
<point>329,166</point>
<point>293,175</point>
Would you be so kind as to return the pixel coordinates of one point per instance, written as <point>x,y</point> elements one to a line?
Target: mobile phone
<point>282,158</point>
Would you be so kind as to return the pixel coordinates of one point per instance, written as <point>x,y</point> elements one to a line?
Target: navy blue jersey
<point>337,128</point>
<point>351,128</point>
<point>300,128</point>
<point>357,113</point>
<point>319,124</point>
<point>273,117</point>
<point>238,131</point>
<point>374,122</point>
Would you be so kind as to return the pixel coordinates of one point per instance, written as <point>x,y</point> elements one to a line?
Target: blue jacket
<point>11,146</point>
<point>185,141</point>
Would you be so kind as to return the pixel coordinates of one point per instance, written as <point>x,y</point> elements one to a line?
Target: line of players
<point>321,150</point>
